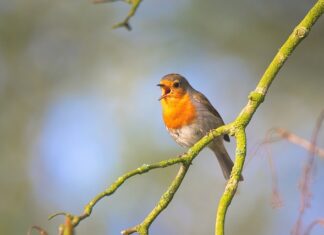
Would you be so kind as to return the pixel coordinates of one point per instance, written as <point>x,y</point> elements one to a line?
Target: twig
<point>295,139</point>
<point>276,197</point>
<point>306,178</point>
<point>166,198</point>
<point>40,230</point>
<point>313,224</point>
<point>125,23</point>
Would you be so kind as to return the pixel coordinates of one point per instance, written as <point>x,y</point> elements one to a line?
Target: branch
<point>162,204</point>
<point>295,139</point>
<point>125,23</point>
<point>166,198</point>
<point>232,184</point>
<point>255,99</point>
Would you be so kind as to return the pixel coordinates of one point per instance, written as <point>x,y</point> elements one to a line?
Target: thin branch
<point>113,187</point>
<point>276,197</point>
<point>255,99</point>
<point>185,160</point>
<point>40,230</point>
<point>164,201</point>
<point>306,178</point>
<point>313,224</point>
<point>125,23</point>
<point>298,34</point>
<point>232,184</point>
<point>295,139</point>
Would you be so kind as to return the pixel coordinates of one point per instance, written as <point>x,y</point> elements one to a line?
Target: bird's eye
<point>176,84</point>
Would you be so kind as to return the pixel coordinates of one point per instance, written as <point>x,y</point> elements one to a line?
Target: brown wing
<point>199,97</point>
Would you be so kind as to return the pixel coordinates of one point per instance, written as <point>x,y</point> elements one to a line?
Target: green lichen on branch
<point>255,99</point>
<point>165,199</point>
<point>232,183</point>
<point>185,161</point>
<point>298,34</point>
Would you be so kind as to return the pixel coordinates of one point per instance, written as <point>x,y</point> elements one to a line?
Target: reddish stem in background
<point>306,178</point>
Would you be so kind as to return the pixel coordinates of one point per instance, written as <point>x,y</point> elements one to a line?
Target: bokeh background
<point>78,107</point>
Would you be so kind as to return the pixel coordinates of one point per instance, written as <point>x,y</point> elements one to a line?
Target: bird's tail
<point>223,158</point>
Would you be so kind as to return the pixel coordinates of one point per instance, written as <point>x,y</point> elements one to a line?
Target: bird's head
<point>173,86</point>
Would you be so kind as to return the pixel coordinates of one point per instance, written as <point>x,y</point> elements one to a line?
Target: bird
<point>188,116</point>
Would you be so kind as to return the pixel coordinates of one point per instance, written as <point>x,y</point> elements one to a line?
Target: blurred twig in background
<point>293,138</point>
<point>125,23</point>
<point>306,178</point>
<point>40,230</point>
<point>307,173</point>
<point>313,224</point>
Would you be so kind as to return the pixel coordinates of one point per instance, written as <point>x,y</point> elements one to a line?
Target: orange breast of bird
<point>178,111</point>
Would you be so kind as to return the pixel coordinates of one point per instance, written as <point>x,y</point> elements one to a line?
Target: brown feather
<point>199,97</point>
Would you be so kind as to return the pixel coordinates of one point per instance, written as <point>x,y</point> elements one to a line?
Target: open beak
<point>166,90</point>
<point>162,97</point>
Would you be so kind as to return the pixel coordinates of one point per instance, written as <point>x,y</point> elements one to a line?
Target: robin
<point>188,116</point>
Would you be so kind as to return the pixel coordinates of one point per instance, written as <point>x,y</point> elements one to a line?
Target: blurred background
<point>78,108</point>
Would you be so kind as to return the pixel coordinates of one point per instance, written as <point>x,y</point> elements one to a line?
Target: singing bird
<point>188,116</point>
